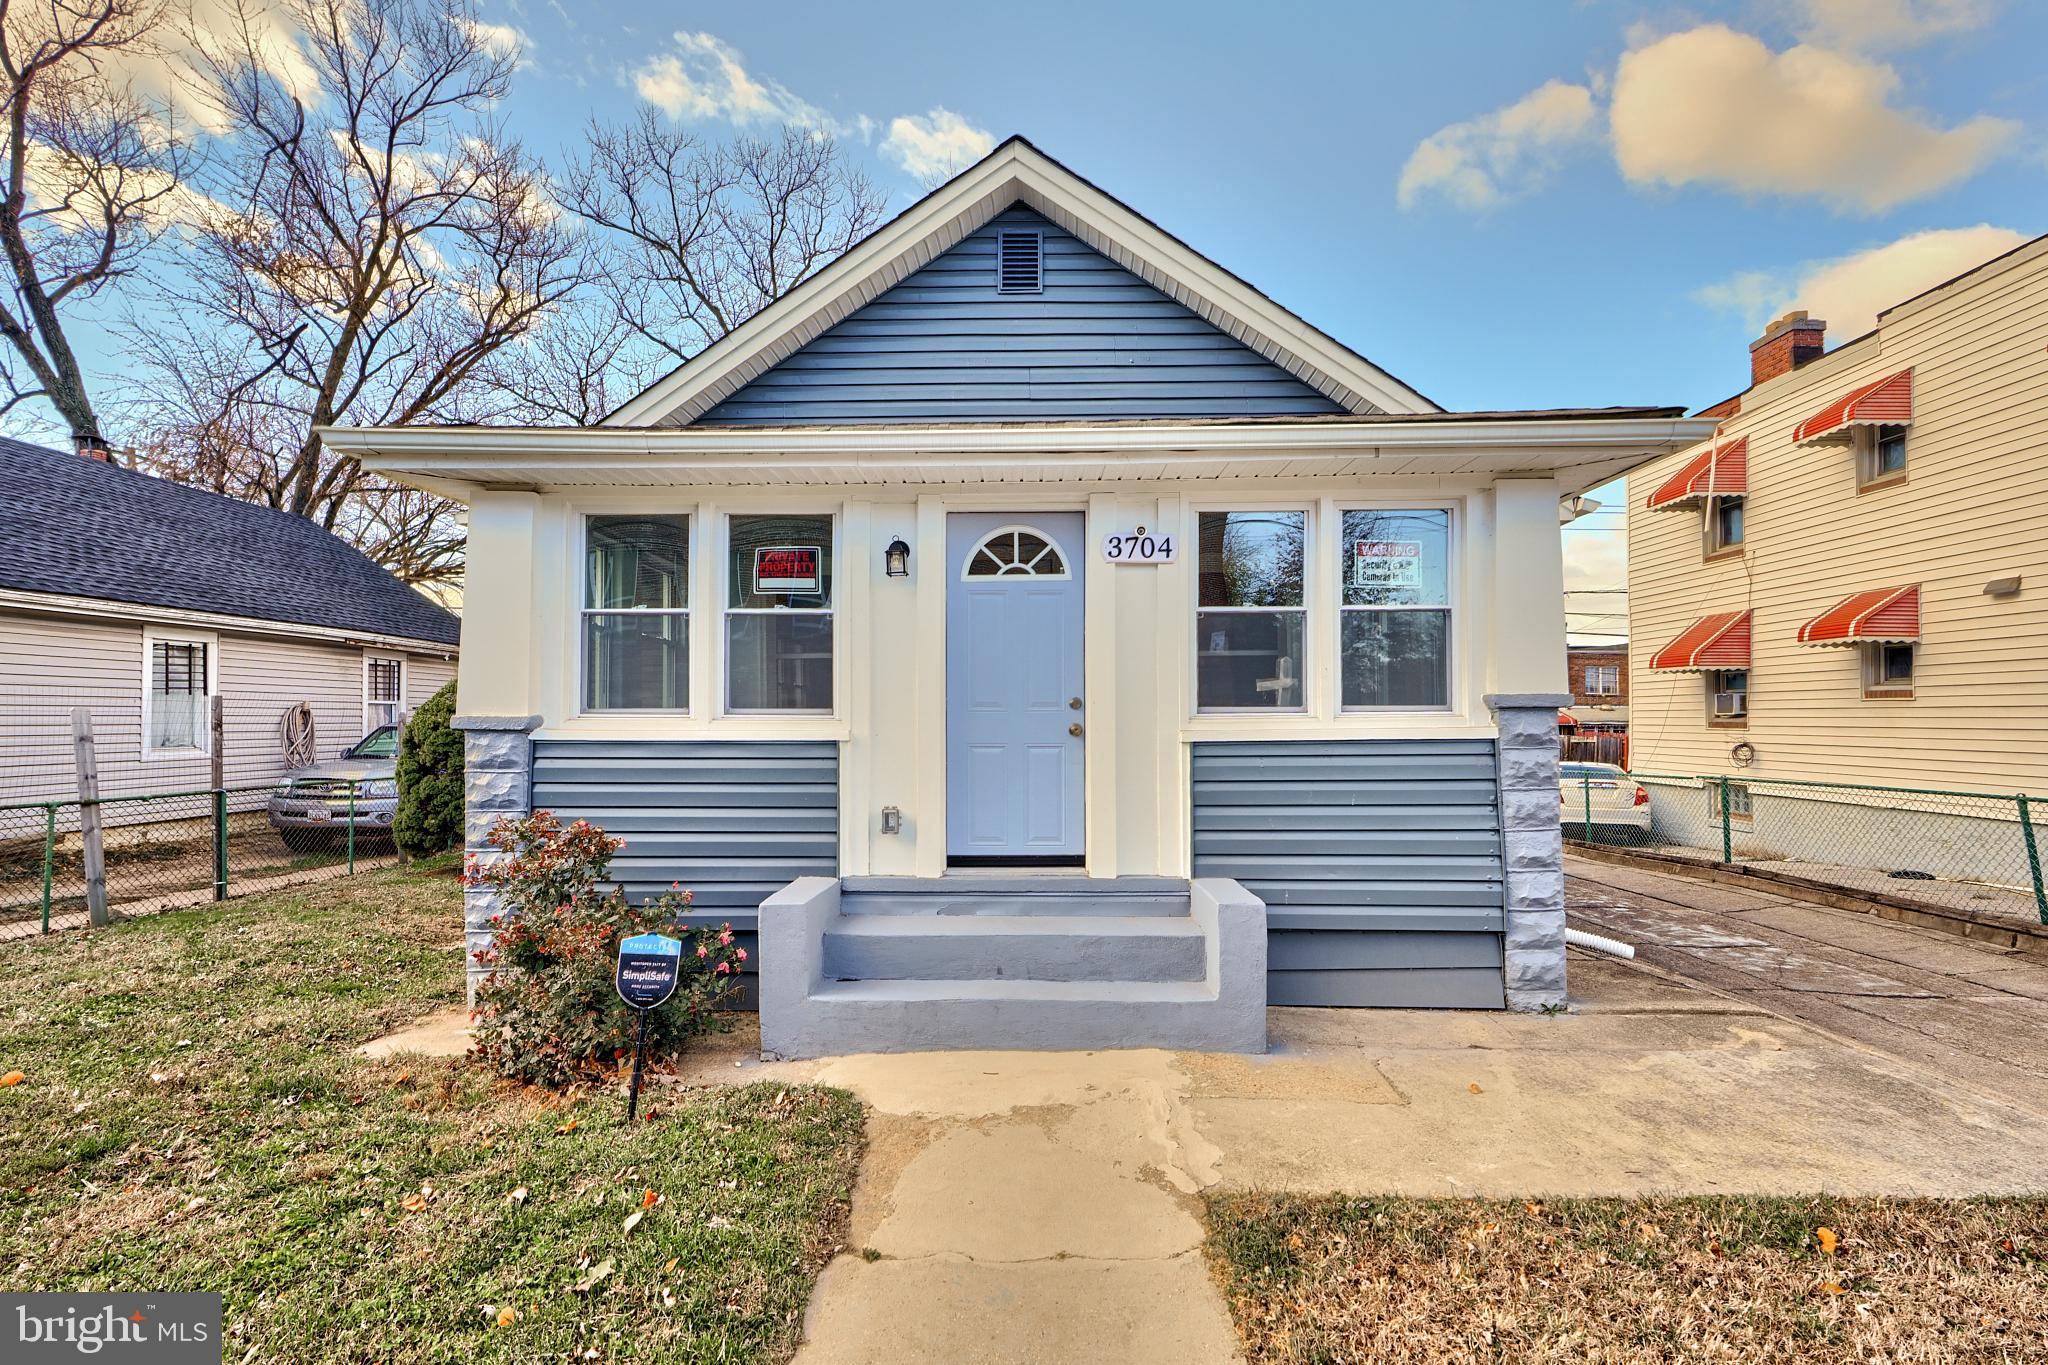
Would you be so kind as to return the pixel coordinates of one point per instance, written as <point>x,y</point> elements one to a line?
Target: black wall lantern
<point>897,558</point>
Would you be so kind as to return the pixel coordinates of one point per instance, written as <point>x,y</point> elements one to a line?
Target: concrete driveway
<point>1038,1207</point>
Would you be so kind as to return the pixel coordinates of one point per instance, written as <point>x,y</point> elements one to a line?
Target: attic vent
<point>1020,263</point>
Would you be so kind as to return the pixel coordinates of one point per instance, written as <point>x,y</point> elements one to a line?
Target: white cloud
<point>1478,163</point>
<point>1714,106</point>
<point>1871,25</point>
<point>500,40</point>
<point>704,77</point>
<point>936,145</point>
<point>1849,291</point>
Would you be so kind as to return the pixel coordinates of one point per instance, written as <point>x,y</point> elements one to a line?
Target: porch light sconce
<point>896,559</point>
<point>892,820</point>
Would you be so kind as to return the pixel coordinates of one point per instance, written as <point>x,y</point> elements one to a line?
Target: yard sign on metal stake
<point>648,967</point>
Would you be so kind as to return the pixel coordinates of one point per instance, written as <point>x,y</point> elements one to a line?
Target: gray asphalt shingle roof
<point>85,528</point>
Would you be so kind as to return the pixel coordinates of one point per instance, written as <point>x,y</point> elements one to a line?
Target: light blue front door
<point>1014,709</point>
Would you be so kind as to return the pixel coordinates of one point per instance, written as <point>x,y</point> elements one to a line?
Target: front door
<point>1013,688</point>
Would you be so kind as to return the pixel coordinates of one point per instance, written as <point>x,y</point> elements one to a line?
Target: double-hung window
<point>383,692</point>
<point>1250,621</point>
<point>1394,612</point>
<point>179,678</point>
<point>1603,680</point>
<point>1724,524</point>
<point>636,613</point>
<point>778,616</point>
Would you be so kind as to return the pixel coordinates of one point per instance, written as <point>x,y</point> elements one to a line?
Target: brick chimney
<point>100,451</point>
<point>1786,344</point>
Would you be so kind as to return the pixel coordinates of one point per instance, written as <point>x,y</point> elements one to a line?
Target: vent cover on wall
<point>1020,263</point>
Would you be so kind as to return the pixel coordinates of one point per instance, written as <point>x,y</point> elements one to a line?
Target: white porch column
<point>496,699</point>
<point>1527,665</point>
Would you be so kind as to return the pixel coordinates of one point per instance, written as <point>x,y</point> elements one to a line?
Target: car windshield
<point>381,742</point>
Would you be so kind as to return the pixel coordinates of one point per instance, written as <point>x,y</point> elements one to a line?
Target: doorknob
<point>1073,703</point>
<point>1075,728</point>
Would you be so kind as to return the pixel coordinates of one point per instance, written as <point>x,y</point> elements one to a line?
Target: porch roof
<point>1581,447</point>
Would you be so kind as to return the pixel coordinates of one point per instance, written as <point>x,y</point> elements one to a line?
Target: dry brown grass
<point>1724,1278</point>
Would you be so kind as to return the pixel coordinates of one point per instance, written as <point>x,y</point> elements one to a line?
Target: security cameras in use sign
<point>648,967</point>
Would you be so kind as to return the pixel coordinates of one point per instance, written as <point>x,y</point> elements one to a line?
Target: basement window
<point>1020,263</point>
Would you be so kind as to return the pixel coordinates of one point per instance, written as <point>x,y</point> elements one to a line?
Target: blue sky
<point>1505,204</point>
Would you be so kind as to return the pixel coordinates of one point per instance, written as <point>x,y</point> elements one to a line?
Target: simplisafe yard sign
<point>648,967</point>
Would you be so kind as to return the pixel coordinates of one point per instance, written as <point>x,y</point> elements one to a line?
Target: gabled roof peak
<point>1017,172</point>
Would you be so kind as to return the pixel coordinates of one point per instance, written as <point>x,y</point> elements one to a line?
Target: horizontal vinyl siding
<point>943,346</point>
<point>1379,862</point>
<point>50,665</point>
<point>731,821</point>
<point>1974,508</point>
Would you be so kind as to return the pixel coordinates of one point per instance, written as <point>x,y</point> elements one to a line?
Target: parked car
<point>311,805</point>
<point>1604,795</point>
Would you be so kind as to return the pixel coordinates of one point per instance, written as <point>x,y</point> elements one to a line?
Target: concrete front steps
<point>1017,963</point>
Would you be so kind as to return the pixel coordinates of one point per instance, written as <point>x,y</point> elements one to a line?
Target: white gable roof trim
<point>1017,172</point>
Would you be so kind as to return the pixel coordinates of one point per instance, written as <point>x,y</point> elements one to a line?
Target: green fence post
<point>2033,856</point>
<point>1586,785</point>
<point>1727,837</point>
<point>220,843</point>
<point>351,827</point>
<point>49,857</point>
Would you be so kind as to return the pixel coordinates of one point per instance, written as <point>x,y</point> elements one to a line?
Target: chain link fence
<point>1975,851</point>
<point>163,826</point>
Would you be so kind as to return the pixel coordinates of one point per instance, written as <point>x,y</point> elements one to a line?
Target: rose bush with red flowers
<point>548,1012</point>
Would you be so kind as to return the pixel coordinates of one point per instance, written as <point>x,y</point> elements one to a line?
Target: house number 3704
<point>1137,547</point>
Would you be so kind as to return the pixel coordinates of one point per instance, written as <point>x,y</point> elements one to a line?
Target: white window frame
<point>1875,685</point>
<point>967,575</point>
<point>1710,525</point>
<point>726,612</point>
<point>398,706</point>
<point>1864,440</point>
<point>151,638</point>
<point>1192,535</point>
<point>1713,678</point>
<point>1452,605</point>
<point>1603,670</point>
<point>579,699</point>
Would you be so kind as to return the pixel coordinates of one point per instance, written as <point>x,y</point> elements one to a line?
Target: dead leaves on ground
<point>13,1078</point>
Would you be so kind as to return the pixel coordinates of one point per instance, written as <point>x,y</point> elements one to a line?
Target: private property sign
<point>787,568</point>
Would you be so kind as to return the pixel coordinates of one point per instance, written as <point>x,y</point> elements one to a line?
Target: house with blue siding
<point>1028,634</point>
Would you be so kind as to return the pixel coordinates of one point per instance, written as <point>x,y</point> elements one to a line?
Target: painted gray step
<point>925,905</point>
<point>921,1016</point>
<point>1027,948</point>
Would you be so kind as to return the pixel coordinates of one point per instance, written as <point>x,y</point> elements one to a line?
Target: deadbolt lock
<point>1075,728</point>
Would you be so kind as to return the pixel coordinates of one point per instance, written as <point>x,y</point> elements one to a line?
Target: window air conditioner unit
<point>1731,703</point>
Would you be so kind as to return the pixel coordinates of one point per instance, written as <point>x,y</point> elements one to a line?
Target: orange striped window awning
<point>1880,616</point>
<point>1712,642</point>
<point>1888,402</point>
<point>1719,471</point>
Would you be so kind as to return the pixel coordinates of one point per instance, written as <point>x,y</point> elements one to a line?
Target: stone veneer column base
<point>497,758</point>
<point>1532,847</point>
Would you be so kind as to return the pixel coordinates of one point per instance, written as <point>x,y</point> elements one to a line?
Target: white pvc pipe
<point>1613,947</point>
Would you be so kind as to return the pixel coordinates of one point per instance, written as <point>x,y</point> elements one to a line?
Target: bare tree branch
<point>703,236</point>
<point>92,174</point>
<point>367,258</point>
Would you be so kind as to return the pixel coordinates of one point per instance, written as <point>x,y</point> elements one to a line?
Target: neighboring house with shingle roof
<point>144,599</point>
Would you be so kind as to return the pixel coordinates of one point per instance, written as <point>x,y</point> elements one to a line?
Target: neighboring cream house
<point>143,600</point>
<point>1042,638</point>
<point>1849,582</point>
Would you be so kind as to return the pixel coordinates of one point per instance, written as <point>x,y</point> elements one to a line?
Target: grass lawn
<point>1721,1278</point>
<point>193,1118</point>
